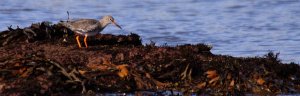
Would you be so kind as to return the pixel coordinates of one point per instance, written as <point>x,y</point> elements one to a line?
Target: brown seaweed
<point>43,59</point>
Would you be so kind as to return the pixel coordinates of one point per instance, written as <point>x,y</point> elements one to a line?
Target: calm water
<point>233,27</point>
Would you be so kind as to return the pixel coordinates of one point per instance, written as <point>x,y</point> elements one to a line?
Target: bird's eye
<point>110,19</point>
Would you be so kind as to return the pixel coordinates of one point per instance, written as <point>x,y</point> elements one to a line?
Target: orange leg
<point>78,42</point>
<point>85,37</point>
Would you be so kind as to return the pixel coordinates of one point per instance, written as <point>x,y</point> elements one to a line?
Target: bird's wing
<point>83,25</point>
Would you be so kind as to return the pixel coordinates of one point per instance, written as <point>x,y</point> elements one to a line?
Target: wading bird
<point>89,27</point>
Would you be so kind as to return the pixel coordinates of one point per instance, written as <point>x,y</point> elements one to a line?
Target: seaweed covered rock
<point>44,59</point>
<point>46,32</point>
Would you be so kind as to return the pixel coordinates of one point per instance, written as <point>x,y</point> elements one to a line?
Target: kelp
<point>44,59</point>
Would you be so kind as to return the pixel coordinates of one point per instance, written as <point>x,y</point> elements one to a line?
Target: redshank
<point>89,27</point>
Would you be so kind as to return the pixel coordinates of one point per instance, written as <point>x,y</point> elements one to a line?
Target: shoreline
<point>39,56</point>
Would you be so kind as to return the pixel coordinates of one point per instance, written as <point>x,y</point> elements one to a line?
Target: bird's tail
<point>64,23</point>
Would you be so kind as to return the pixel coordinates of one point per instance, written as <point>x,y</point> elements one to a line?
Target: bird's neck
<point>103,23</point>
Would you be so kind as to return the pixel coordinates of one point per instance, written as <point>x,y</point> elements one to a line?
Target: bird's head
<point>109,19</point>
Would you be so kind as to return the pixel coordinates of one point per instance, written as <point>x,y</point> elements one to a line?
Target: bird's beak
<point>116,24</point>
